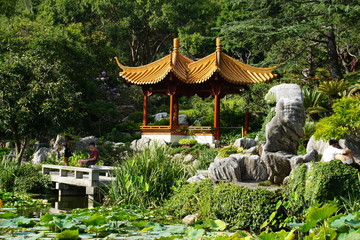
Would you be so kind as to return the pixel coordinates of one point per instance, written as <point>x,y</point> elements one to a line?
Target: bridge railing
<point>78,176</point>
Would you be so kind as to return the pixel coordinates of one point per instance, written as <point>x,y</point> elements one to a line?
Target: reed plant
<point>146,178</point>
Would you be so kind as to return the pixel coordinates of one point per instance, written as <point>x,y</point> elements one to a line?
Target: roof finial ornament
<point>218,44</point>
<point>176,45</point>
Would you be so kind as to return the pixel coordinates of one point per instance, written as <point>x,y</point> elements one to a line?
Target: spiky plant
<point>334,89</point>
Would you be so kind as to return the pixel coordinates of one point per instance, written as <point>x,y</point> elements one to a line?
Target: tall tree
<point>294,28</point>
<point>36,99</point>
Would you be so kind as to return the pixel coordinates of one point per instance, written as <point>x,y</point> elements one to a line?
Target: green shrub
<point>4,152</point>
<point>23,178</point>
<point>146,178</point>
<point>187,141</point>
<point>322,182</point>
<point>228,150</point>
<point>109,155</point>
<point>345,120</point>
<point>239,207</point>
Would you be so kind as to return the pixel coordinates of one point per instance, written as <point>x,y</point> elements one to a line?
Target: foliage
<point>112,155</point>
<point>19,200</point>
<point>187,141</point>
<point>228,150</point>
<point>322,182</point>
<point>239,207</point>
<point>24,178</point>
<point>68,235</point>
<point>344,122</point>
<point>4,152</point>
<point>201,152</point>
<point>146,178</point>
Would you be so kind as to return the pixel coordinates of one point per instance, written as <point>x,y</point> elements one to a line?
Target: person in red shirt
<point>94,156</point>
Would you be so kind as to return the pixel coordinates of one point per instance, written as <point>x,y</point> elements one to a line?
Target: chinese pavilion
<point>176,75</point>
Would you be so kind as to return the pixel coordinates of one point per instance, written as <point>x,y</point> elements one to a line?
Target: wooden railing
<point>177,130</point>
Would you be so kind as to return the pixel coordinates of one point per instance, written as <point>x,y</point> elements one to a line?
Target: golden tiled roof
<point>192,72</point>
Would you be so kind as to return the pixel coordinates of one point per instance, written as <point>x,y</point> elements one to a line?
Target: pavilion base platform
<point>169,134</point>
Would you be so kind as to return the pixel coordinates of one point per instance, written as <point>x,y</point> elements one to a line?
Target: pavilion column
<point>176,111</point>
<point>216,117</point>
<point>246,123</point>
<point>171,110</point>
<point>145,111</point>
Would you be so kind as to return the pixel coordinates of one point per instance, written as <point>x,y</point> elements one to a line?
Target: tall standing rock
<point>284,131</point>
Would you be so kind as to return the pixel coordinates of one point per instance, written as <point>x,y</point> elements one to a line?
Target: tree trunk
<point>19,145</point>
<point>333,58</point>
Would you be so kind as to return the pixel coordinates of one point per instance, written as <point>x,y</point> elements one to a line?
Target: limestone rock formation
<point>159,116</point>
<point>238,167</point>
<point>320,146</point>
<point>140,144</point>
<point>286,128</point>
<point>245,143</point>
<point>277,165</point>
<point>83,143</point>
<point>41,155</point>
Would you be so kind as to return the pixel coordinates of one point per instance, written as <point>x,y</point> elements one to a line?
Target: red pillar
<point>171,110</point>
<point>246,123</point>
<point>145,112</point>
<point>216,117</point>
<point>176,111</point>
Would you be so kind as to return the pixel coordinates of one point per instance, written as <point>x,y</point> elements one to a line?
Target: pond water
<point>58,205</point>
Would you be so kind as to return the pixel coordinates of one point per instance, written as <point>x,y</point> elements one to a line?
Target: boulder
<point>159,116</point>
<point>320,146</point>
<point>41,155</point>
<point>285,129</point>
<point>226,169</point>
<point>140,144</point>
<point>245,143</point>
<point>251,167</point>
<point>238,167</point>
<point>253,151</point>
<point>189,219</point>
<point>310,157</point>
<point>83,143</point>
<point>183,120</point>
<point>277,165</point>
<point>196,178</point>
<point>188,158</point>
<point>9,145</point>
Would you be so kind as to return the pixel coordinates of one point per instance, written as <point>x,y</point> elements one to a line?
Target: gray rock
<point>159,116</point>
<point>188,158</point>
<point>189,219</point>
<point>310,157</point>
<point>277,165</point>
<point>9,145</point>
<point>83,143</point>
<point>41,155</point>
<point>320,146</point>
<point>183,120</point>
<point>238,167</point>
<point>285,129</point>
<point>196,178</point>
<point>253,150</point>
<point>251,167</point>
<point>226,169</point>
<point>245,143</point>
<point>140,144</point>
<point>289,91</point>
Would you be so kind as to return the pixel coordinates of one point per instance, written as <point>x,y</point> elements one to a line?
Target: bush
<point>228,150</point>
<point>110,155</point>
<point>146,178</point>
<point>187,141</point>
<point>322,182</point>
<point>239,207</point>
<point>23,178</point>
<point>344,122</point>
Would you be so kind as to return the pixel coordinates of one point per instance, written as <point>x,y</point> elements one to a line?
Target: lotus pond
<point>18,221</point>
